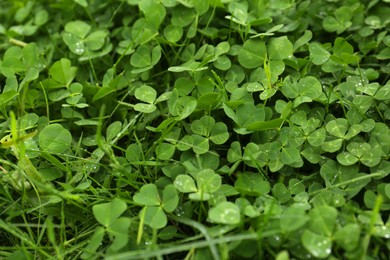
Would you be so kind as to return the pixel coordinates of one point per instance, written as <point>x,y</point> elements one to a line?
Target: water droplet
<point>92,167</point>
<point>383,231</point>
<point>179,211</point>
<point>179,184</point>
<point>42,66</point>
<point>79,48</point>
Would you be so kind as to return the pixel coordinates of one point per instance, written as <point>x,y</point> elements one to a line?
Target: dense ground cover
<point>195,129</point>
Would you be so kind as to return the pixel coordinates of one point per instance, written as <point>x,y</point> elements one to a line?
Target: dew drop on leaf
<point>79,48</point>
<point>179,211</point>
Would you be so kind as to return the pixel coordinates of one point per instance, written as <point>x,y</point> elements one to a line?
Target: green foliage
<point>108,215</point>
<point>179,129</point>
<point>54,139</point>
<point>155,205</point>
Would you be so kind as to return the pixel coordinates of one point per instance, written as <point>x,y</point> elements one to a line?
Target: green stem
<point>344,183</point>
<point>202,230</point>
<point>374,216</point>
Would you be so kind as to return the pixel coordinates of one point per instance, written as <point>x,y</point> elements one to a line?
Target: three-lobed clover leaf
<point>252,184</point>
<point>317,239</point>
<point>145,57</point>
<point>80,41</point>
<point>340,21</point>
<point>340,128</point>
<point>304,90</point>
<point>108,214</point>
<point>362,152</point>
<point>335,174</point>
<point>24,61</point>
<point>206,126</point>
<point>182,107</point>
<point>204,129</point>
<point>245,115</point>
<point>207,183</point>
<point>155,204</point>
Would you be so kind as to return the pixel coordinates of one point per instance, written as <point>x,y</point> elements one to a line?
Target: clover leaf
<point>63,72</point>
<point>145,57</point>
<point>341,129</point>
<point>340,21</point>
<point>165,151</point>
<point>318,245</point>
<point>80,41</point>
<point>359,152</point>
<point>153,213</point>
<point>348,236</point>
<point>336,174</point>
<point>280,48</point>
<point>252,54</point>
<point>305,90</point>
<point>225,213</point>
<point>318,54</point>
<point>148,195</point>
<point>293,218</point>
<point>55,138</point>
<point>207,183</point>
<point>252,184</point>
<point>185,184</point>
<point>154,217</point>
<point>146,94</point>
<point>107,213</point>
